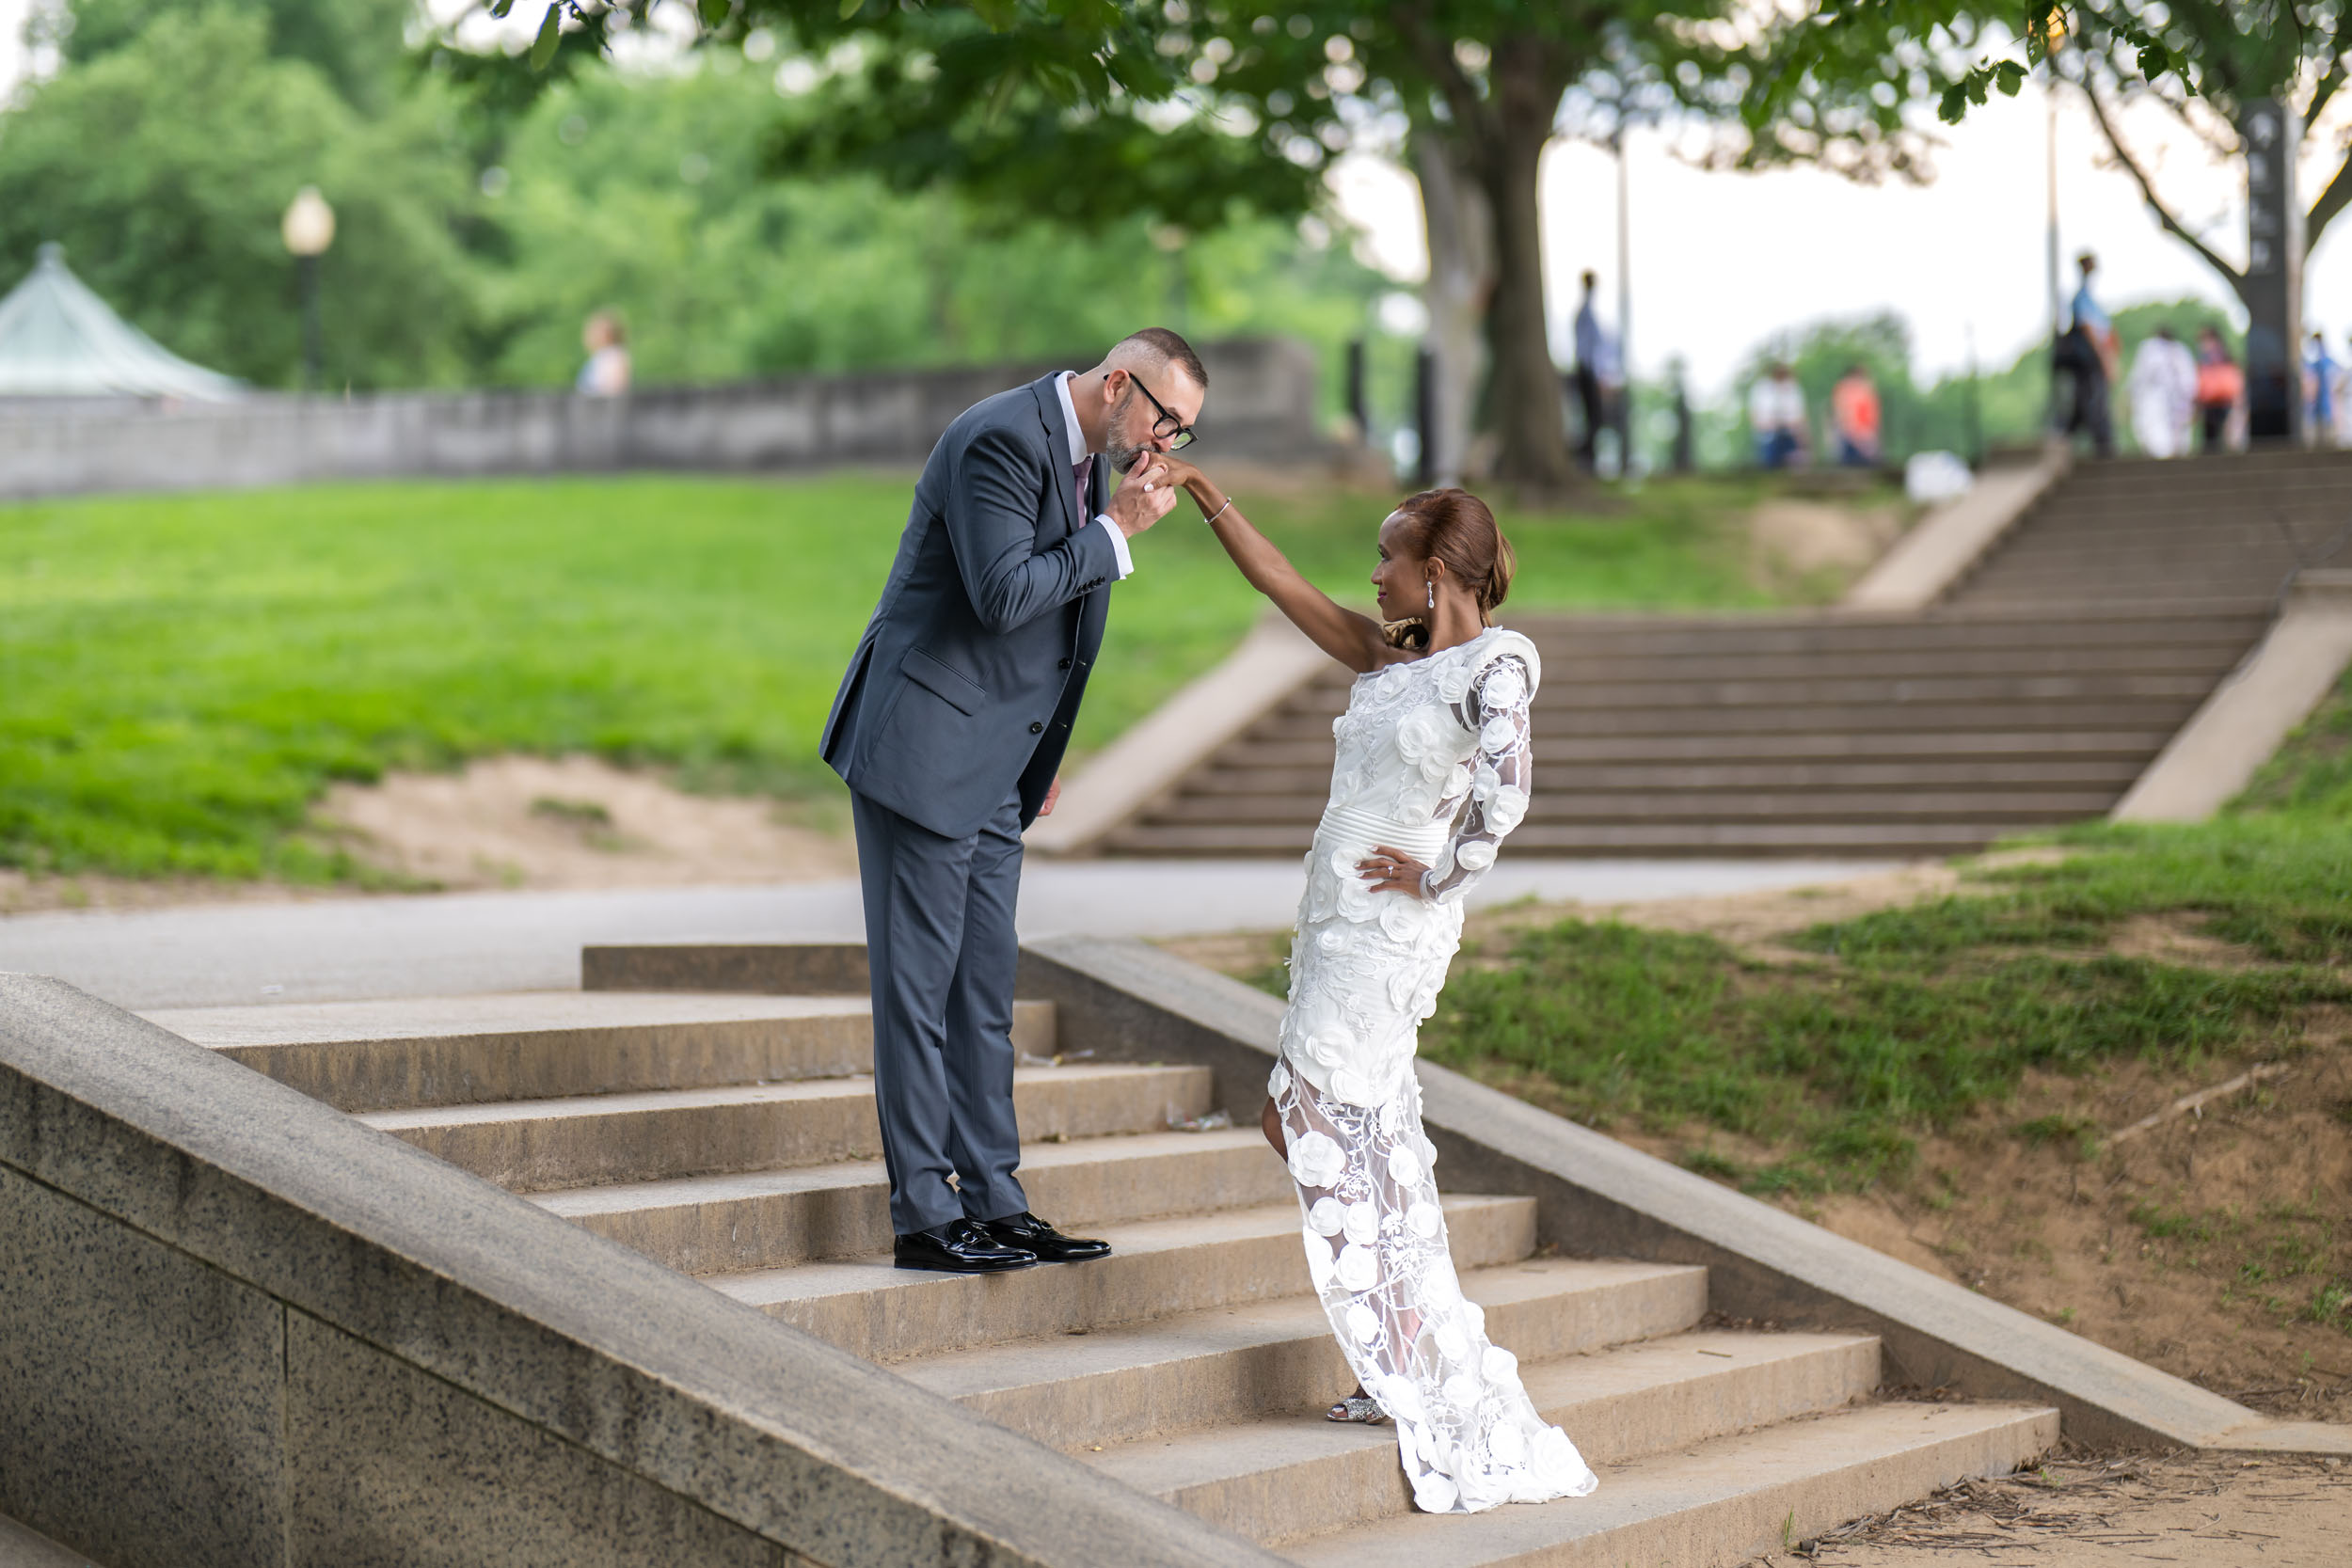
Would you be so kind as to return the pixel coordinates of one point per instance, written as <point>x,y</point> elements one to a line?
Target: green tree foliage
<point>1483,80</point>
<point>356,44</point>
<point>1194,111</point>
<point>647,194</point>
<point>474,238</point>
<point>164,163</point>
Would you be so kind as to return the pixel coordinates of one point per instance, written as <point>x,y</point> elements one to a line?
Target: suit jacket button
<point>1065,664</point>
<point>1037,726</point>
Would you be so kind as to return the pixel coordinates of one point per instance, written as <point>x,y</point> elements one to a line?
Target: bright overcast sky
<point>1723,260</point>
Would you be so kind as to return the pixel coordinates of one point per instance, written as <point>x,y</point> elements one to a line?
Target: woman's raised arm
<point>1351,637</point>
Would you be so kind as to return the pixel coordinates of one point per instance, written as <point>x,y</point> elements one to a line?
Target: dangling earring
<point>1432,592</point>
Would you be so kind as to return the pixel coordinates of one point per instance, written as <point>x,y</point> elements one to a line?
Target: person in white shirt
<point>1776,418</point>
<point>2162,391</point>
<point>606,372</point>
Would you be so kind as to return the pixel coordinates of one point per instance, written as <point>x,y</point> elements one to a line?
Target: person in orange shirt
<point>1853,413</point>
<point>2219,386</point>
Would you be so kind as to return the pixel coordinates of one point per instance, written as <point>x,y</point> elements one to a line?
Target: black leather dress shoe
<point>1026,1230</point>
<point>960,1246</point>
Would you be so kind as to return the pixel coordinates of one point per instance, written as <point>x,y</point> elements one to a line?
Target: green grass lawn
<point>182,676</point>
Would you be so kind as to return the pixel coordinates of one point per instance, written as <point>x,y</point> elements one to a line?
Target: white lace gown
<point>1433,759</point>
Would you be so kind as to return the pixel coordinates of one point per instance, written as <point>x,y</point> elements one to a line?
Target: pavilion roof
<point>59,340</point>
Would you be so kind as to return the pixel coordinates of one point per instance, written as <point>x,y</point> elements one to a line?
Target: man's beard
<point>1120,454</point>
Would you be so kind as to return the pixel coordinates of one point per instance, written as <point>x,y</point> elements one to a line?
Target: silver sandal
<point>1359,1407</point>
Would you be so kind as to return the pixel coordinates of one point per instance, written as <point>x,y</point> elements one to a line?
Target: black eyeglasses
<point>1167,427</point>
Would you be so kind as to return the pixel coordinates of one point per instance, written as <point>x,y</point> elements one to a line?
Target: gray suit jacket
<point>968,678</point>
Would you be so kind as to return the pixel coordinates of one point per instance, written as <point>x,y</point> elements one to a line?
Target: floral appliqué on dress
<point>1433,757</point>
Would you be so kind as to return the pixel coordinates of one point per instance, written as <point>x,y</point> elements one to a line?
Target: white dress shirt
<point>1078,455</point>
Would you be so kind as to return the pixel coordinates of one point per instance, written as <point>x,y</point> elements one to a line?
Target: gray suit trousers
<point>940,939</point>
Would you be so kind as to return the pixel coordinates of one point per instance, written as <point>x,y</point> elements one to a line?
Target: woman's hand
<point>1192,481</point>
<point>1393,871</point>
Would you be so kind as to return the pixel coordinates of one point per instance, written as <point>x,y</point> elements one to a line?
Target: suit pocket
<point>944,681</point>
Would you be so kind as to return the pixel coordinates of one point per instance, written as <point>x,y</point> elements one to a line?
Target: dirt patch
<point>511,822</point>
<point>573,822</point>
<point>1760,923</point>
<point>1244,955</point>
<point>2175,939</point>
<point>1796,541</point>
<point>2214,1246</point>
<point>2212,1510</point>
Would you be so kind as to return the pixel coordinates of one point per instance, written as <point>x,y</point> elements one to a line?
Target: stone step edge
<point>680,1191</point>
<point>703,1041</point>
<point>1544,1310</point>
<point>787,1215</point>
<point>869,1273</point>
<point>1729,1500</point>
<point>716,1097</point>
<point>1829,1373</point>
<point>1159,1269</point>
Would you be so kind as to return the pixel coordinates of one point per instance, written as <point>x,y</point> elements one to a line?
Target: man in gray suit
<point>948,729</point>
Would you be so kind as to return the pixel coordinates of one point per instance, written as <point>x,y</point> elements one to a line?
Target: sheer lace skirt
<point>1375,1240</point>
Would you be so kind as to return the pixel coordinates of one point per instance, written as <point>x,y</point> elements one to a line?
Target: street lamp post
<point>309,229</point>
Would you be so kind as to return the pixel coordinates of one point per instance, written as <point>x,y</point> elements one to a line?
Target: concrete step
<point>1239,782</point>
<point>22,1548</point>
<point>2140,542</point>
<point>1949,634</point>
<point>1236,1364</point>
<point>1562,698</point>
<point>769,1219</point>
<point>1948,631</point>
<point>1557,804</point>
<point>531,1145</point>
<point>538,1045</point>
<point>1861,841</point>
<point>1719,1503</point>
<point>2027,577</point>
<point>1859,718</point>
<point>1961,747</point>
<point>1159,1268</point>
<point>1297,1476</point>
<point>2108,659</point>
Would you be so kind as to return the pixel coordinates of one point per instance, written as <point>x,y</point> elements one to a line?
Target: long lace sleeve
<point>1501,775</point>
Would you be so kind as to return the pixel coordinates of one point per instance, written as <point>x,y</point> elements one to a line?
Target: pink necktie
<point>1082,470</point>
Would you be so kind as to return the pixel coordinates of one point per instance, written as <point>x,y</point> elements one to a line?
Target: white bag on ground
<point>1930,477</point>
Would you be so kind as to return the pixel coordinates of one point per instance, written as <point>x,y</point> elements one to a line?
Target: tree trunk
<point>1525,404</point>
<point>1460,234</point>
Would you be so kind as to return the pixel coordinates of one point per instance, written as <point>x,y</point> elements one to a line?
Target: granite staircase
<point>732,1137</point>
<point>2035,694</point>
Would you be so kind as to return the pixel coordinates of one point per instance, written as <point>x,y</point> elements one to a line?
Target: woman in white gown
<point>1432,771</point>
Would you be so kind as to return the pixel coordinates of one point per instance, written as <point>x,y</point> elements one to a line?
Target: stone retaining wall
<point>239,1328</point>
<point>1261,407</point>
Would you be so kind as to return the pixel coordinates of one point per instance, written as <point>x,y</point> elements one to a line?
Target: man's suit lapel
<point>1058,450</point>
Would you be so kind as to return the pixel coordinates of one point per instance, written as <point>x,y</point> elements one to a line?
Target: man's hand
<point>1145,496</point>
<point>1053,793</point>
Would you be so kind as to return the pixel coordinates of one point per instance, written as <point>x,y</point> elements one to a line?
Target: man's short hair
<point>1589,278</point>
<point>1159,346</point>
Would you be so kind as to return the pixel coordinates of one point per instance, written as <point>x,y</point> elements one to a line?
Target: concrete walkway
<point>331,949</point>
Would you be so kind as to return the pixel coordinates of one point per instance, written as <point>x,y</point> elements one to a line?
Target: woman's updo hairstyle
<point>1456,528</point>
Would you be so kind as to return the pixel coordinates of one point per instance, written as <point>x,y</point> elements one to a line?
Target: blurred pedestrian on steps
<point>2163,394</point>
<point>2220,387</point>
